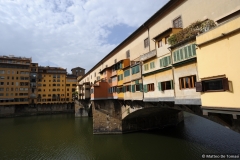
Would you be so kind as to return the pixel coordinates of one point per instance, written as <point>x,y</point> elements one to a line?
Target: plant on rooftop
<point>194,29</point>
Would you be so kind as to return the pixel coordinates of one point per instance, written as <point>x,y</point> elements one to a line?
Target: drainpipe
<point>149,51</point>
<point>174,91</point>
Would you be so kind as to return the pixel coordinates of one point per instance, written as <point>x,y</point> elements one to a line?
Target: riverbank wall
<point>35,109</point>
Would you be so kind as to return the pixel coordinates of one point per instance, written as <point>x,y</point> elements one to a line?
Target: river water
<point>66,137</point>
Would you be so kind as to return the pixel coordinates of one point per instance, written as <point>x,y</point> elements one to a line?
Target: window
<point>127,88</point>
<point>127,73</point>
<point>152,65</point>
<point>135,69</point>
<point>2,77</point>
<point>220,84</point>
<point>165,61</point>
<point>159,43</point>
<point>120,77</point>
<point>128,54</point>
<point>187,82</point>
<point>2,71</point>
<point>145,67</point>
<point>177,23</point>
<point>138,87</point>
<point>148,87</point>
<point>146,43</point>
<point>167,85</point>
<point>185,52</point>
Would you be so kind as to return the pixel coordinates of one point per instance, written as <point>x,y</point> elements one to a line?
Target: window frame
<point>146,42</point>
<point>177,20</point>
<point>201,86</point>
<point>191,82</point>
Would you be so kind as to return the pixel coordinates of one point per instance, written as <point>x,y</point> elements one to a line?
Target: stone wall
<point>106,117</point>
<point>25,110</point>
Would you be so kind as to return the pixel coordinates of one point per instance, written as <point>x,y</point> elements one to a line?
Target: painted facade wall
<point>184,71</point>
<point>221,57</point>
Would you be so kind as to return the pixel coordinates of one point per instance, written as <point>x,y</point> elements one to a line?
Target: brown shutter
<point>199,87</point>
<point>225,84</point>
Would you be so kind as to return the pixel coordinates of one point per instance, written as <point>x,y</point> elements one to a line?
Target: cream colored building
<point>162,74</point>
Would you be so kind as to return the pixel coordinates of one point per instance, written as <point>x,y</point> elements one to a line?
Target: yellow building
<point>51,85</point>
<point>14,80</point>
<point>218,67</point>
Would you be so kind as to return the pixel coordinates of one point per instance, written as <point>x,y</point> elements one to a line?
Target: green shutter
<point>161,63</point>
<point>166,61</point>
<point>181,54</point>
<point>133,70</point>
<point>159,86</point>
<point>189,51</point>
<point>193,49</point>
<point>178,57</point>
<point>174,53</point>
<point>137,82</point>
<point>120,66</point>
<point>137,68</point>
<point>133,88</point>
<point>169,60</point>
<point>186,52</point>
<point>172,86</point>
<point>141,87</point>
<point>145,88</point>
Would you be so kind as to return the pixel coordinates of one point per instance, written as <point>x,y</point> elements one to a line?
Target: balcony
<point>148,55</point>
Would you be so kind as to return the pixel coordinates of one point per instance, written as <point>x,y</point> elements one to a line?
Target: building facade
<point>27,88</point>
<point>163,63</point>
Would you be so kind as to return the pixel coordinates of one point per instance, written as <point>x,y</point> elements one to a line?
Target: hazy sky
<point>69,33</point>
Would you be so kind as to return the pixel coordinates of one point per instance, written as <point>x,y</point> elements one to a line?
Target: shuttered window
<point>145,88</point>
<point>152,65</point>
<point>127,73</point>
<point>146,67</point>
<point>184,53</point>
<point>133,88</point>
<point>166,85</point>
<point>165,61</point>
<point>135,69</point>
<point>220,84</point>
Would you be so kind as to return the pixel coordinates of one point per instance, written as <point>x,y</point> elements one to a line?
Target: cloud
<point>68,33</point>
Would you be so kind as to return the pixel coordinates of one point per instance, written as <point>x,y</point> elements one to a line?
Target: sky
<point>69,33</point>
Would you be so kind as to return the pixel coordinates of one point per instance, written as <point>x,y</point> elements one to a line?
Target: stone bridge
<point>119,116</point>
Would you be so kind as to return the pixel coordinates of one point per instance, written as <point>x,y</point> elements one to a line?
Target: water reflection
<point>67,137</point>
